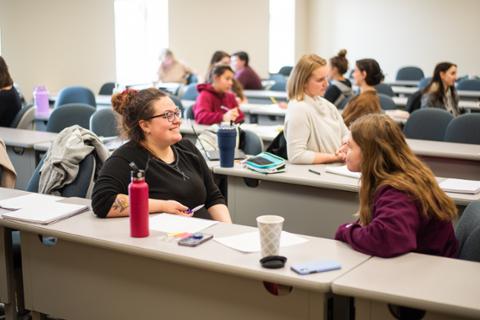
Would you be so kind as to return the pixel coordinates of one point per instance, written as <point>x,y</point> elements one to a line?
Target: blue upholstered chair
<point>427,124</point>
<point>386,102</point>
<point>103,123</point>
<point>464,129</point>
<point>25,118</point>
<point>424,82</point>
<point>285,70</point>
<point>75,95</point>
<point>467,232</point>
<point>68,115</point>
<point>469,84</point>
<point>410,73</point>
<point>191,92</point>
<point>385,89</point>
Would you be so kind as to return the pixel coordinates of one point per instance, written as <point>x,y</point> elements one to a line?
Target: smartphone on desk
<point>315,266</point>
<point>195,239</point>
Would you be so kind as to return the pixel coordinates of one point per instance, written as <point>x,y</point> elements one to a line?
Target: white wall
<point>198,28</point>
<point>58,42</point>
<point>398,33</point>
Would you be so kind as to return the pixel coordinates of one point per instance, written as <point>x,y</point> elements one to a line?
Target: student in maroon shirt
<point>402,207</point>
<point>248,78</point>
<point>216,103</point>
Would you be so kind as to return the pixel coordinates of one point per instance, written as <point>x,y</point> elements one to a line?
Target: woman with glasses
<point>176,173</point>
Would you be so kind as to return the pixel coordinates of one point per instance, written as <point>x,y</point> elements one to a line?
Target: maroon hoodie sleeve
<point>391,232</point>
<point>204,111</point>
<point>231,102</point>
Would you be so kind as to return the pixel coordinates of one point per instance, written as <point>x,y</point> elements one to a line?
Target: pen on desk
<point>274,101</point>
<point>314,171</point>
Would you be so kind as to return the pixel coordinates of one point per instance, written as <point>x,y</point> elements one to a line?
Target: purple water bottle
<point>138,198</point>
<point>40,95</point>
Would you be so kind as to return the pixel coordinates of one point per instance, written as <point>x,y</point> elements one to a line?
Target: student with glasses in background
<point>175,171</point>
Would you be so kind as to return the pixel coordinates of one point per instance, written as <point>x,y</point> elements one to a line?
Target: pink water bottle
<point>40,95</point>
<point>138,196</point>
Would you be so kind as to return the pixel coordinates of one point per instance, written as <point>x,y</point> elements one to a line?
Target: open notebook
<point>37,208</point>
<point>343,171</point>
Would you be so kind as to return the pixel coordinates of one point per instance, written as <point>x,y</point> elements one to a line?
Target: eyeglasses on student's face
<point>169,115</point>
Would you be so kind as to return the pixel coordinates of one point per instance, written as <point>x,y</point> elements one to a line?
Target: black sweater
<point>10,104</point>
<point>187,180</point>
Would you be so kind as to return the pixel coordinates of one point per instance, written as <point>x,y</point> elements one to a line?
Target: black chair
<point>387,102</point>
<point>385,89</point>
<point>107,88</point>
<point>68,115</point>
<point>75,95</point>
<point>464,129</point>
<point>467,232</point>
<point>410,73</point>
<point>104,123</point>
<point>427,124</point>
<point>252,143</point>
<point>188,112</point>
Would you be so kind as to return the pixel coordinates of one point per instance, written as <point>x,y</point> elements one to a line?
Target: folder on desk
<point>460,186</point>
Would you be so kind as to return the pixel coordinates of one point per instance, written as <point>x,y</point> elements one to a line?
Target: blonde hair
<point>301,74</point>
<point>387,160</point>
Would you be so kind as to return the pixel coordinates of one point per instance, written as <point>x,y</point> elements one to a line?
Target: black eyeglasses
<point>169,115</point>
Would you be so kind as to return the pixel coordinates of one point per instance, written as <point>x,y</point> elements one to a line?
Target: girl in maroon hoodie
<point>215,102</point>
<point>402,207</point>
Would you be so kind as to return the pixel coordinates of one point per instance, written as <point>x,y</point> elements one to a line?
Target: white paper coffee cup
<point>270,229</point>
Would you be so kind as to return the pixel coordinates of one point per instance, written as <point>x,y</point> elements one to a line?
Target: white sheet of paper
<point>250,242</point>
<point>343,171</point>
<point>45,214</point>
<point>33,200</point>
<point>460,186</point>
<point>173,223</point>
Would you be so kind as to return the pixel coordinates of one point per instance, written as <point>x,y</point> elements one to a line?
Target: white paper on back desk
<point>343,171</point>
<point>460,186</point>
<point>250,242</point>
<point>39,208</point>
<point>172,223</point>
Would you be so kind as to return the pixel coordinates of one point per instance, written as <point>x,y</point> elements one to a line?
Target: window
<point>141,31</point>
<point>282,34</point>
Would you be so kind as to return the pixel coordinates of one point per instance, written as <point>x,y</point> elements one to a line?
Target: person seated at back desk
<point>172,70</point>
<point>175,171</point>
<point>215,103</point>
<point>248,78</point>
<point>10,103</point>
<point>402,208</point>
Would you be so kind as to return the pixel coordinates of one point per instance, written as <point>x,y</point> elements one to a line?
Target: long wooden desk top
<point>299,175</point>
<point>445,149</point>
<point>421,281</point>
<point>25,138</point>
<point>114,234</point>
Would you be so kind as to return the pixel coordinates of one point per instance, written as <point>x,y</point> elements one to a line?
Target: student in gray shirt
<point>440,92</point>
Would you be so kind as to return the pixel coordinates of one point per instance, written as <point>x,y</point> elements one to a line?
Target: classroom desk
<point>312,204</point>
<point>447,159</point>
<point>264,96</point>
<point>96,271</point>
<point>463,94</point>
<point>446,288</point>
<point>403,83</point>
<point>462,104</point>
<point>20,144</point>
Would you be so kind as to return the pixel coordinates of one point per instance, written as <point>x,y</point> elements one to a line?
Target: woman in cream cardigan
<point>314,129</point>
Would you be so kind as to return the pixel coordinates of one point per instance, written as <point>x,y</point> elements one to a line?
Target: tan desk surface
<point>421,281</point>
<point>445,149</point>
<point>299,174</point>
<point>114,234</point>
<point>24,138</point>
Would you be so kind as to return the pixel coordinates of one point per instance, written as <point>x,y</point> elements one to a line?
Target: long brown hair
<point>388,160</point>
<point>5,78</point>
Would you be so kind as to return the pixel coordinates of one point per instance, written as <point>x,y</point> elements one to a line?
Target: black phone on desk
<point>195,239</point>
